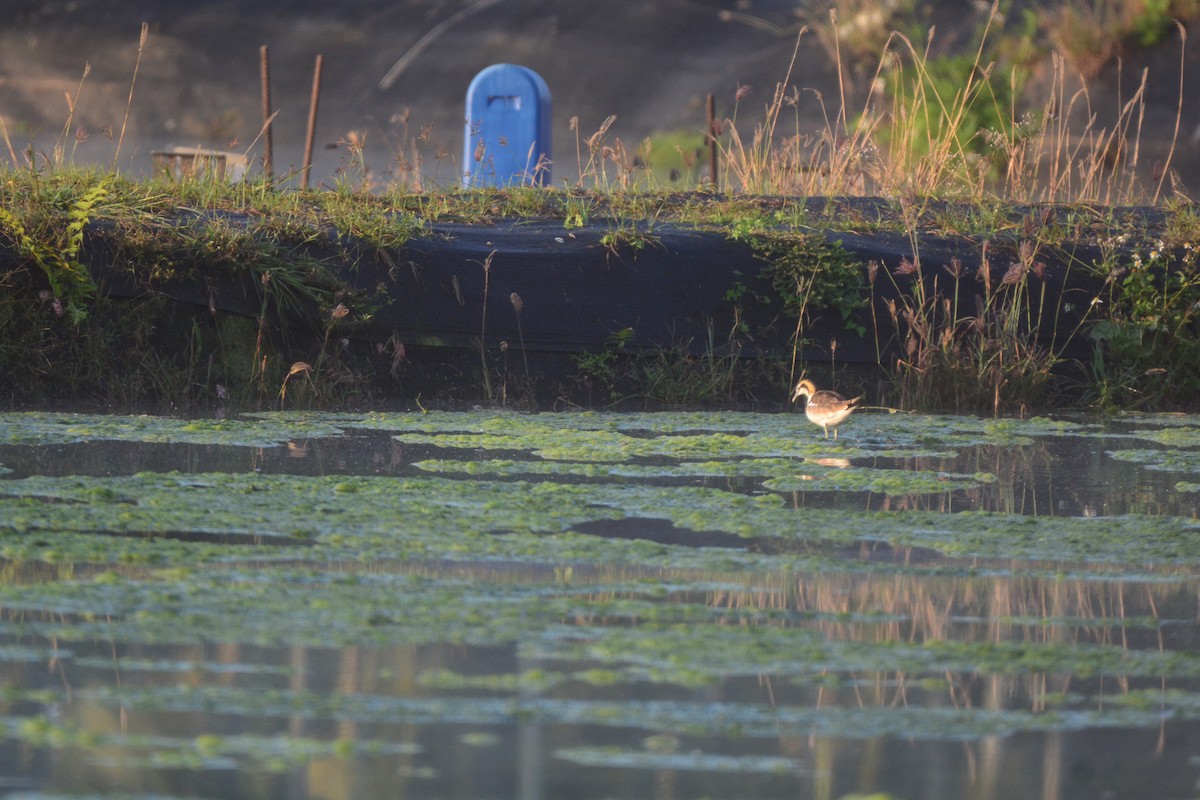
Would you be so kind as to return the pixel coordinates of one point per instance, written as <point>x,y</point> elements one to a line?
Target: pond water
<point>719,605</point>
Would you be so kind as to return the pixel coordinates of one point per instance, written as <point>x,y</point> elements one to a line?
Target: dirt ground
<point>650,63</point>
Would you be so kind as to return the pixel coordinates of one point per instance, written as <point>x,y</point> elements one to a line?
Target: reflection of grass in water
<point>417,559</point>
<point>862,641</point>
<point>687,718</point>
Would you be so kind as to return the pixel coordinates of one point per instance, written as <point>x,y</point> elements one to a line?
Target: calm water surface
<point>598,606</point>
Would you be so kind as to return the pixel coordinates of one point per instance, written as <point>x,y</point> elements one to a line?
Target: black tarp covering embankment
<point>541,287</point>
<point>681,288</point>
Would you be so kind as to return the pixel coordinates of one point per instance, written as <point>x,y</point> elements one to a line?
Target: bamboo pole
<point>712,140</point>
<point>312,122</point>
<point>268,167</point>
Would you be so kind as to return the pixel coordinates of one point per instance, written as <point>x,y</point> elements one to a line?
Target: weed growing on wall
<point>56,253</point>
<point>1147,351</point>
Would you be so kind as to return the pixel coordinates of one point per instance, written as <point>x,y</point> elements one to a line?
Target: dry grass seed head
<point>1015,274</point>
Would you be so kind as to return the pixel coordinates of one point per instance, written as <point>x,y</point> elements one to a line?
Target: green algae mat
<point>584,605</point>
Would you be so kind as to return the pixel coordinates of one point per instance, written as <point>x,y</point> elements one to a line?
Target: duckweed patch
<point>691,436</point>
<point>792,475</point>
<point>209,751</point>
<point>1182,436</point>
<point>676,594</point>
<point>38,428</point>
<point>425,517</point>
<point>1164,460</point>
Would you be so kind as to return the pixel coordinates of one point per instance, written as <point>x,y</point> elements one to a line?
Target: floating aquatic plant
<point>501,569</point>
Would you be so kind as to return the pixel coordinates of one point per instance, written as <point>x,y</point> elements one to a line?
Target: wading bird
<point>823,407</point>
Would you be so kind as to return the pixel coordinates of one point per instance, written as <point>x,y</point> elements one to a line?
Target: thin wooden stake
<point>312,122</point>
<point>712,139</point>
<point>268,168</point>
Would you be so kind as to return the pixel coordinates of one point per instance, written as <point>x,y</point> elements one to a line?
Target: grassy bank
<point>1073,282</point>
<point>985,332</point>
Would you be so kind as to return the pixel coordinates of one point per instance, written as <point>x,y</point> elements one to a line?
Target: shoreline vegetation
<point>941,247</point>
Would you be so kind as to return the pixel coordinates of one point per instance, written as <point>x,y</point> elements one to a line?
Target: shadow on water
<point>663,531</point>
<point>373,613</point>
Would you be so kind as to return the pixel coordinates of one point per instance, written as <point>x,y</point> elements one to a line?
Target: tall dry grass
<point>918,133</point>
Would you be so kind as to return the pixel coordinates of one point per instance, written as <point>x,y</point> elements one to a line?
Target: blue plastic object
<point>507,138</point>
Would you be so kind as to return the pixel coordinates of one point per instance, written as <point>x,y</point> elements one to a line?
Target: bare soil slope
<point>648,62</point>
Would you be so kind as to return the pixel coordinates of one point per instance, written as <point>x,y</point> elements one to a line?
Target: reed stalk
<point>487,380</point>
<point>129,103</point>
